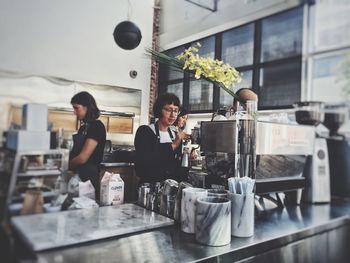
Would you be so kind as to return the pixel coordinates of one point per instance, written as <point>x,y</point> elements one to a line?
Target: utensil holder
<point>213,221</point>
<point>188,207</point>
<point>242,214</point>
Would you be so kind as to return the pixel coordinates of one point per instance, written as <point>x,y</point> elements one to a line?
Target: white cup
<point>242,214</point>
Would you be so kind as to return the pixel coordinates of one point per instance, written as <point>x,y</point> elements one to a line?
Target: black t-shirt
<point>97,131</point>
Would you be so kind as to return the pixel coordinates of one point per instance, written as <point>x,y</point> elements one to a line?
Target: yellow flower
<point>211,69</point>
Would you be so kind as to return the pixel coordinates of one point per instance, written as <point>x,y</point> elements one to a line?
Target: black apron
<point>157,133</point>
<point>86,171</point>
<point>171,172</point>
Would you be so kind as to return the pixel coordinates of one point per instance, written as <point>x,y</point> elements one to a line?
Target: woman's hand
<point>84,155</point>
<point>180,136</point>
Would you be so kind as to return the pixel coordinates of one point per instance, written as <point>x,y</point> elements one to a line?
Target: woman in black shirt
<point>87,152</point>
<point>156,144</point>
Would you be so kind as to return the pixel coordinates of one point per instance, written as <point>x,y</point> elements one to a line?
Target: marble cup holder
<point>242,214</point>
<point>217,193</point>
<point>213,221</point>
<point>188,207</point>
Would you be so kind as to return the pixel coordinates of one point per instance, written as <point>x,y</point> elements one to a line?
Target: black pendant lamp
<point>127,35</point>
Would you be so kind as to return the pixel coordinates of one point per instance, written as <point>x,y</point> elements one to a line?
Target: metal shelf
<point>39,173</point>
<point>17,176</point>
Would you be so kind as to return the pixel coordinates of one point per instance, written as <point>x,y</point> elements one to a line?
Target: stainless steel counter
<point>117,164</point>
<point>273,230</point>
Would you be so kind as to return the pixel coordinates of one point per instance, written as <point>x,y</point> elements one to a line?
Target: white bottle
<point>112,189</point>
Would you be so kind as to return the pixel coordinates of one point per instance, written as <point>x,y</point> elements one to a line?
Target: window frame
<point>255,67</point>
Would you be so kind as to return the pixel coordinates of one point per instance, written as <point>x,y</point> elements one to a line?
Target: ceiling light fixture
<point>127,34</point>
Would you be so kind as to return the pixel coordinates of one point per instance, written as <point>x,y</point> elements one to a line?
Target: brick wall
<point>154,68</point>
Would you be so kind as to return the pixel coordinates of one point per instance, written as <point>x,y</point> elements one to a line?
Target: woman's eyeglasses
<point>169,111</point>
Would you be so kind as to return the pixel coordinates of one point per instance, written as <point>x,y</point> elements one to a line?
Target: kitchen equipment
<point>108,155</point>
<point>23,140</point>
<point>123,153</point>
<point>242,214</point>
<point>34,134</point>
<point>335,117</point>
<point>339,149</point>
<point>167,197</point>
<point>316,170</point>
<point>33,170</point>
<point>281,154</point>
<point>143,190</point>
<point>108,146</point>
<point>213,221</point>
<point>185,157</point>
<point>34,117</point>
<point>339,162</point>
<point>195,133</point>
<point>309,112</point>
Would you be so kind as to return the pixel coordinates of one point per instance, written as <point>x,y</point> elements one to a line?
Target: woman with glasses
<point>157,144</point>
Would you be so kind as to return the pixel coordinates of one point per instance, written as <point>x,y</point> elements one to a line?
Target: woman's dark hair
<point>162,100</point>
<point>182,112</point>
<point>86,99</point>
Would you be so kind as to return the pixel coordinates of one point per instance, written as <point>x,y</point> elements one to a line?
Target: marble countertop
<point>272,229</point>
<point>52,230</point>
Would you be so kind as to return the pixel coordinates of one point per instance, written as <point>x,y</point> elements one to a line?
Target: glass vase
<point>245,140</point>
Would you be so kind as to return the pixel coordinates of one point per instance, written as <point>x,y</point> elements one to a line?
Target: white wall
<point>183,22</point>
<point>74,40</point>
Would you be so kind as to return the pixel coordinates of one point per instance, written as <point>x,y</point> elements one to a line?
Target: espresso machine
<point>281,149</point>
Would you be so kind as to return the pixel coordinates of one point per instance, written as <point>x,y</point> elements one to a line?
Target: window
<point>200,91</point>
<point>226,99</point>
<point>207,48</point>
<point>329,58</point>
<point>267,52</point>
<point>177,89</point>
<point>331,27</point>
<point>281,35</point>
<point>280,85</point>
<point>169,73</point>
<point>201,95</point>
<point>238,46</point>
<point>330,77</point>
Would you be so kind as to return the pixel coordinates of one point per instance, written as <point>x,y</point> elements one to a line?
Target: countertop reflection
<point>273,228</point>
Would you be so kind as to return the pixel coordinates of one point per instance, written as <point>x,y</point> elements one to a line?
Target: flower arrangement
<point>212,70</point>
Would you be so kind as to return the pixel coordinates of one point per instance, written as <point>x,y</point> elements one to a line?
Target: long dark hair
<point>182,112</point>
<point>86,99</point>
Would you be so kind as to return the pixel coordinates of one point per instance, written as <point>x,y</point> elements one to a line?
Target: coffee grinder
<point>338,149</point>
<point>316,170</point>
